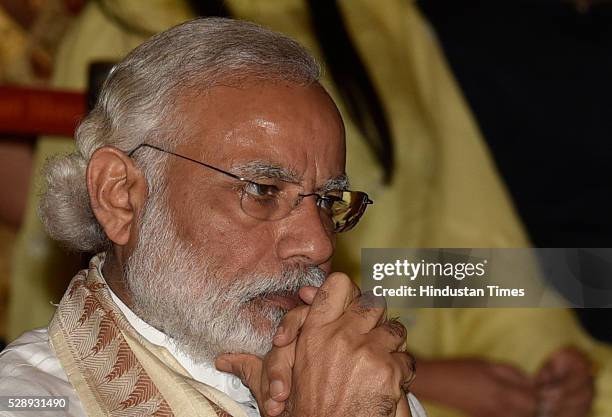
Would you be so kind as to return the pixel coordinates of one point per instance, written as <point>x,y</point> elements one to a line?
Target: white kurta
<point>29,366</point>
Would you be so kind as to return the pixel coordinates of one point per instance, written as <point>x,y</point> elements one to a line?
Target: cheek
<point>223,234</point>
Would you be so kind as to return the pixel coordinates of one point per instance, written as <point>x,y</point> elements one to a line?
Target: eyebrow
<point>255,170</point>
<point>260,169</point>
<point>340,183</point>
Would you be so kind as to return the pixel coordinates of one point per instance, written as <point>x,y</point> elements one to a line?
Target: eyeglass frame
<point>367,200</point>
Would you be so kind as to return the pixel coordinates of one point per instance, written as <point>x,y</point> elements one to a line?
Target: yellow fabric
<point>115,371</point>
<point>446,192</point>
<point>38,262</point>
<point>14,66</point>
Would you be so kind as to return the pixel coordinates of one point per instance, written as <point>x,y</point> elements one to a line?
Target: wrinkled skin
<point>343,337</point>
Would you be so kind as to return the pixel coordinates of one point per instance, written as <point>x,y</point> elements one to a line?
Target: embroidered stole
<point>114,370</point>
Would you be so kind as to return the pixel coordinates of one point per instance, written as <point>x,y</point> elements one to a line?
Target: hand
<point>287,334</point>
<point>270,378</point>
<point>478,388</point>
<point>565,384</point>
<point>346,359</point>
<point>350,335</point>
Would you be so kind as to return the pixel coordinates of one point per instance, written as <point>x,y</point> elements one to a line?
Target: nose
<point>304,237</point>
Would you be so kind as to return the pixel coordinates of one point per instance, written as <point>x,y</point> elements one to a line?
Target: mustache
<point>288,282</point>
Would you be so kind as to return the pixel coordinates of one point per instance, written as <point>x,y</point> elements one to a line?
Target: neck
<point>113,275</point>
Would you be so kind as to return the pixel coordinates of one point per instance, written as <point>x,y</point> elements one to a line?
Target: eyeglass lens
<point>339,212</point>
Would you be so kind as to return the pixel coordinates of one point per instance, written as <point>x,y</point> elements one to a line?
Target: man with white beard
<point>209,178</point>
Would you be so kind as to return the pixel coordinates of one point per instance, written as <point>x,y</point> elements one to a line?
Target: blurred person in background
<point>30,32</point>
<point>411,142</point>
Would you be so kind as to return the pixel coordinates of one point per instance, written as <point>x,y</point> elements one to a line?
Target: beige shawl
<point>114,370</point>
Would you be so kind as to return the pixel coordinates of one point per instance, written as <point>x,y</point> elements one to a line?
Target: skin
<point>234,126</point>
<point>297,128</point>
<point>347,319</point>
<point>565,384</point>
<point>563,387</point>
<point>477,387</point>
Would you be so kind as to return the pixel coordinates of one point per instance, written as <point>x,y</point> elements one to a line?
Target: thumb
<point>307,294</point>
<point>246,367</point>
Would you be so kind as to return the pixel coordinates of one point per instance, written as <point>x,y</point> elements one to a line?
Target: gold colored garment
<point>13,45</point>
<point>115,371</point>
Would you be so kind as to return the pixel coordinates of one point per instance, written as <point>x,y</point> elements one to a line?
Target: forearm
<point>432,383</point>
<point>443,382</point>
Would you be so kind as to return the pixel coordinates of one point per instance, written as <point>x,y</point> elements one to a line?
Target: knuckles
<point>338,350</point>
<point>395,328</point>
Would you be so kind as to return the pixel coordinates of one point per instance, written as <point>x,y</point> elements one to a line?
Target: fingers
<point>278,367</point>
<point>391,334</point>
<point>567,360</point>
<point>290,326</point>
<point>307,294</point>
<point>293,321</point>
<point>571,394</point>
<point>366,312</point>
<point>276,388</point>
<point>578,405</point>
<point>553,369</point>
<point>332,299</point>
<point>272,387</point>
<point>566,384</point>
<point>246,367</point>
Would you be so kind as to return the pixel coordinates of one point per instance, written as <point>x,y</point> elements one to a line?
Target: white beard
<point>180,293</point>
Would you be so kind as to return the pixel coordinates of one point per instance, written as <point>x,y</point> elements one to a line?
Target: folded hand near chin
<point>336,356</point>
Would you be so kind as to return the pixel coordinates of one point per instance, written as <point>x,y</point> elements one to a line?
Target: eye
<point>261,190</point>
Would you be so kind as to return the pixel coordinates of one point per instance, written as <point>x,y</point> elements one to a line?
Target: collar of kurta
<point>114,370</point>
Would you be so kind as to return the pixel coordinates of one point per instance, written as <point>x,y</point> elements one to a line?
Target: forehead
<point>286,125</point>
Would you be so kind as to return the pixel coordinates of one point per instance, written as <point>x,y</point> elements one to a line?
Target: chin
<point>264,316</point>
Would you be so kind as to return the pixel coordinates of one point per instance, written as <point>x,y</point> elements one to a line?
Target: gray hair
<point>137,101</point>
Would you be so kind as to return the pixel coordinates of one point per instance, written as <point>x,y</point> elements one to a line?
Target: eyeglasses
<point>340,210</point>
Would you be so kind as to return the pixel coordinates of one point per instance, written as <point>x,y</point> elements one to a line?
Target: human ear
<point>117,192</point>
